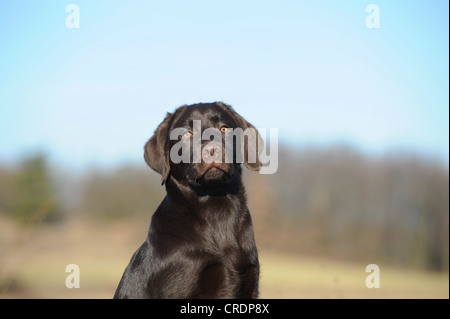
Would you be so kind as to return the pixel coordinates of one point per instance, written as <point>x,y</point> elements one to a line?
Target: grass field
<point>33,266</point>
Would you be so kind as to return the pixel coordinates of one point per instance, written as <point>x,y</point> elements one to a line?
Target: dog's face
<point>209,135</point>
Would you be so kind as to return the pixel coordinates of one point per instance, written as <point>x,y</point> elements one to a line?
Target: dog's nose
<point>212,152</point>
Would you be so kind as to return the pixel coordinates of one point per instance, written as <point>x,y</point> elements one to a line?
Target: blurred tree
<point>34,200</point>
<point>7,193</point>
<point>344,204</point>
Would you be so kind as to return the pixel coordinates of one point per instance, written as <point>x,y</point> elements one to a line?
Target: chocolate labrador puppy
<point>200,243</point>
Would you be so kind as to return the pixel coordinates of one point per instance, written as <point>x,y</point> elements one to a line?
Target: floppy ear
<point>156,150</point>
<point>254,142</point>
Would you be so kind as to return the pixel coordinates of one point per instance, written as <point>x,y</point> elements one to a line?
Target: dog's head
<point>203,145</point>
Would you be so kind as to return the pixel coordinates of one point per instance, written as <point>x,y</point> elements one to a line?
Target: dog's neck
<point>197,195</point>
<point>223,206</point>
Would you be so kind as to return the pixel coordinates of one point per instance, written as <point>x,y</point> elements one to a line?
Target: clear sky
<point>312,69</point>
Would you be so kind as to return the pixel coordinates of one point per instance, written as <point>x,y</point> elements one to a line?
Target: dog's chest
<point>220,239</point>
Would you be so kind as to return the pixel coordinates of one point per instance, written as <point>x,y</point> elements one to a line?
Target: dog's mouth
<point>215,170</point>
<point>213,174</point>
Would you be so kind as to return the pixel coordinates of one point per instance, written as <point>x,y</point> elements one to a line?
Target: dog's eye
<point>187,134</point>
<point>224,129</point>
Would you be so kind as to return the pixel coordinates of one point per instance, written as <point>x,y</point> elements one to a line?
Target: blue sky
<point>312,69</point>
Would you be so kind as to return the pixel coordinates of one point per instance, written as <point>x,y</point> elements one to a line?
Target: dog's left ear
<point>156,150</point>
<point>254,143</point>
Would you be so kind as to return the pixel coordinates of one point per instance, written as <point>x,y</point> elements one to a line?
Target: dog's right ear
<point>156,150</point>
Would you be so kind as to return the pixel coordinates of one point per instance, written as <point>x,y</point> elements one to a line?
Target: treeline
<point>333,202</point>
<point>393,209</point>
<point>27,193</point>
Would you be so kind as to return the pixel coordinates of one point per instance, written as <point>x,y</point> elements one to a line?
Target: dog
<point>200,243</point>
